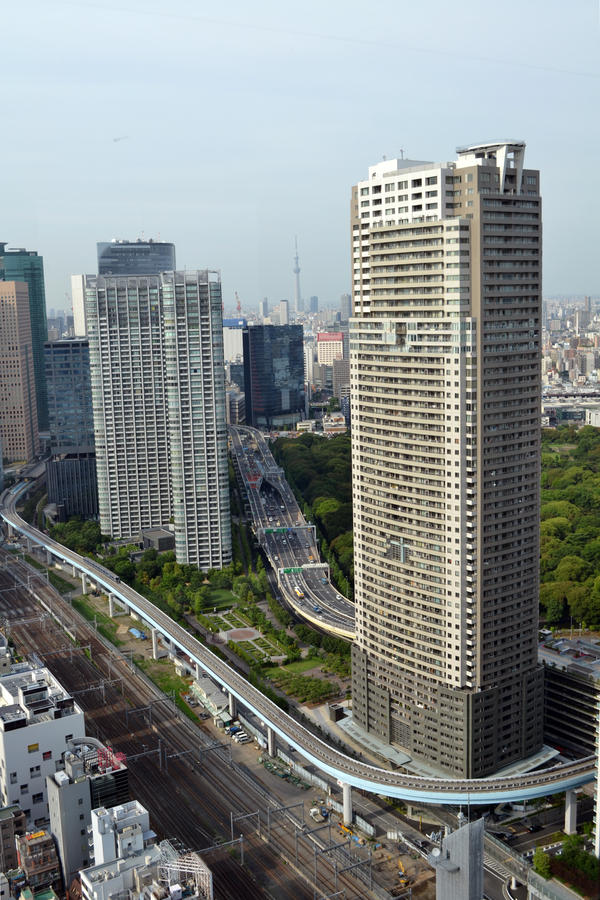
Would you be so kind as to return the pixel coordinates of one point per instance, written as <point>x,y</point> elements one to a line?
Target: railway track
<point>192,803</point>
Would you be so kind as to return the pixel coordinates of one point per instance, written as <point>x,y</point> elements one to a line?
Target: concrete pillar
<point>347,801</point>
<point>111,605</point>
<point>84,583</point>
<point>74,568</point>
<point>233,706</point>
<point>48,558</point>
<point>513,883</point>
<point>29,545</point>
<point>571,812</point>
<point>11,531</point>
<point>271,742</point>
<point>198,672</point>
<point>154,643</point>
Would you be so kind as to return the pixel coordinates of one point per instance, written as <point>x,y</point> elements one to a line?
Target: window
<point>531,179</point>
<point>431,180</point>
<point>46,755</point>
<point>33,748</point>
<point>34,772</point>
<point>81,817</point>
<point>80,801</point>
<point>416,182</point>
<point>37,798</point>
<point>364,191</point>
<point>68,737</point>
<point>24,788</point>
<point>390,187</point>
<point>82,832</point>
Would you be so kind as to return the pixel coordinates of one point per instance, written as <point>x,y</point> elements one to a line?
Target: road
<point>346,770</point>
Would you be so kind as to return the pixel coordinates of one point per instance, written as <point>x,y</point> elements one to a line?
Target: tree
<point>541,863</point>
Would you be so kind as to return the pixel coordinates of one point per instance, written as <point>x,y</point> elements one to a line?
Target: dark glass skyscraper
<point>71,473</point>
<point>27,266</point>
<point>135,257</point>
<point>274,375</point>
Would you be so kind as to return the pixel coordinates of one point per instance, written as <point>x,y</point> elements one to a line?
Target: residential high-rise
<point>158,396</point>
<point>71,472</point>
<point>135,257</point>
<point>445,375</point>
<point>27,266</point>
<point>274,375</point>
<point>18,408</point>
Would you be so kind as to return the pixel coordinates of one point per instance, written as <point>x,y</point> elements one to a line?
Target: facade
<point>345,307</point>
<point>284,313</point>
<point>459,864</point>
<point>135,257</point>
<point>158,396</point>
<point>38,718</point>
<point>236,408</point>
<point>445,380</point>
<point>232,338</point>
<point>71,472</point>
<point>571,694</point>
<point>330,346</point>
<point>340,369</point>
<point>274,375</point>
<point>93,776</point>
<point>78,301</point>
<point>314,305</point>
<point>236,374</point>
<point>27,266</point>
<point>39,861</point>
<point>12,824</point>
<point>18,405</point>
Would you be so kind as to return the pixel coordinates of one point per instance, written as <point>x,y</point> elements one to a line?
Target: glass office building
<point>28,266</point>
<point>71,472</point>
<point>135,257</point>
<point>274,375</point>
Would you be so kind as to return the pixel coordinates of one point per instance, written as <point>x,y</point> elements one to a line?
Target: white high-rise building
<point>445,378</point>
<point>158,393</point>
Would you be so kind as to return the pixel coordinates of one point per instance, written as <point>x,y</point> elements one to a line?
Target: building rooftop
<point>31,694</point>
<point>573,654</point>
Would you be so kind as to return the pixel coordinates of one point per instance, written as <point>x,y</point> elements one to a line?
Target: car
<point>535,827</point>
<point>338,596</point>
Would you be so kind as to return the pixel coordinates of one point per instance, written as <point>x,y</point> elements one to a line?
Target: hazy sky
<point>229,128</point>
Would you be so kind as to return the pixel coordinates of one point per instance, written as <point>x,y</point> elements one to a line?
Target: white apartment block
<point>445,381</point>
<point>158,395</point>
<point>38,718</point>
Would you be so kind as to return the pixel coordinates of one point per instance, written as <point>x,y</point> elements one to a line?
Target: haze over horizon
<point>230,134</point>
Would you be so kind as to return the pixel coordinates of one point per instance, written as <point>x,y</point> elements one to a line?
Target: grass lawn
<point>106,626</point>
<point>62,586</point>
<point>160,671</point>
<point>297,668</point>
<point>222,598</point>
<point>35,563</point>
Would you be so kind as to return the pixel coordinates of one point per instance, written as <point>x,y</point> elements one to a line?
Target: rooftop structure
<point>122,257</point>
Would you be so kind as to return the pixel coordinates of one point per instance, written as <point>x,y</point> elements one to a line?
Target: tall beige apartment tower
<point>445,383</point>
<point>18,405</point>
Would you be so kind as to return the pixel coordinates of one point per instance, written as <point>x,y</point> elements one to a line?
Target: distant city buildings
<point>330,346</point>
<point>19,433</point>
<point>274,375</point>
<point>284,315</point>
<point>314,305</point>
<point>27,266</point>
<point>345,307</point>
<point>71,471</point>
<point>158,389</point>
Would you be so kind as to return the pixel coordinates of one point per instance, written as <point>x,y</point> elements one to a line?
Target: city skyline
<point>284,94</point>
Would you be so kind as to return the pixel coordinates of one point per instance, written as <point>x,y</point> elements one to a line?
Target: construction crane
<point>238,305</point>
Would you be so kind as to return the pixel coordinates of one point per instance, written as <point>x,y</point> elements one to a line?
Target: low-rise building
<point>38,719</point>
<point>335,423</point>
<point>94,776</point>
<point>12,824</point>
<point>39,860</point>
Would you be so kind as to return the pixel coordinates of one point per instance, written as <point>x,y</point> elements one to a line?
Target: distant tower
<point>299,300</point>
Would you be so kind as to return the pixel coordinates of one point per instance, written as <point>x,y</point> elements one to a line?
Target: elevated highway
<point>347,771</point>
<point>289,542</point>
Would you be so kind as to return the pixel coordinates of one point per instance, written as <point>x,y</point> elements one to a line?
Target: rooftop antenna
<point>296,270</point>
<point>401,153</point>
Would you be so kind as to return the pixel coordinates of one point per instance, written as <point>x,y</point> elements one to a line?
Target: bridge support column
<point>271,742</point>
<point>74,571</point>
<point>29,545</point>
<point>84,583</point>
<point>232,706</point>
<point>48,558</point>
<point>347,801</point>
<point>154,643</point>
<point>111,605</point>
<point>571,812</point>
<point>11,531</point>
<point>513,882</point>
<point>198,672</point>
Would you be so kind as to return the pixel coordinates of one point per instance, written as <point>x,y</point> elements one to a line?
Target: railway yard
<point>179,771</point>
